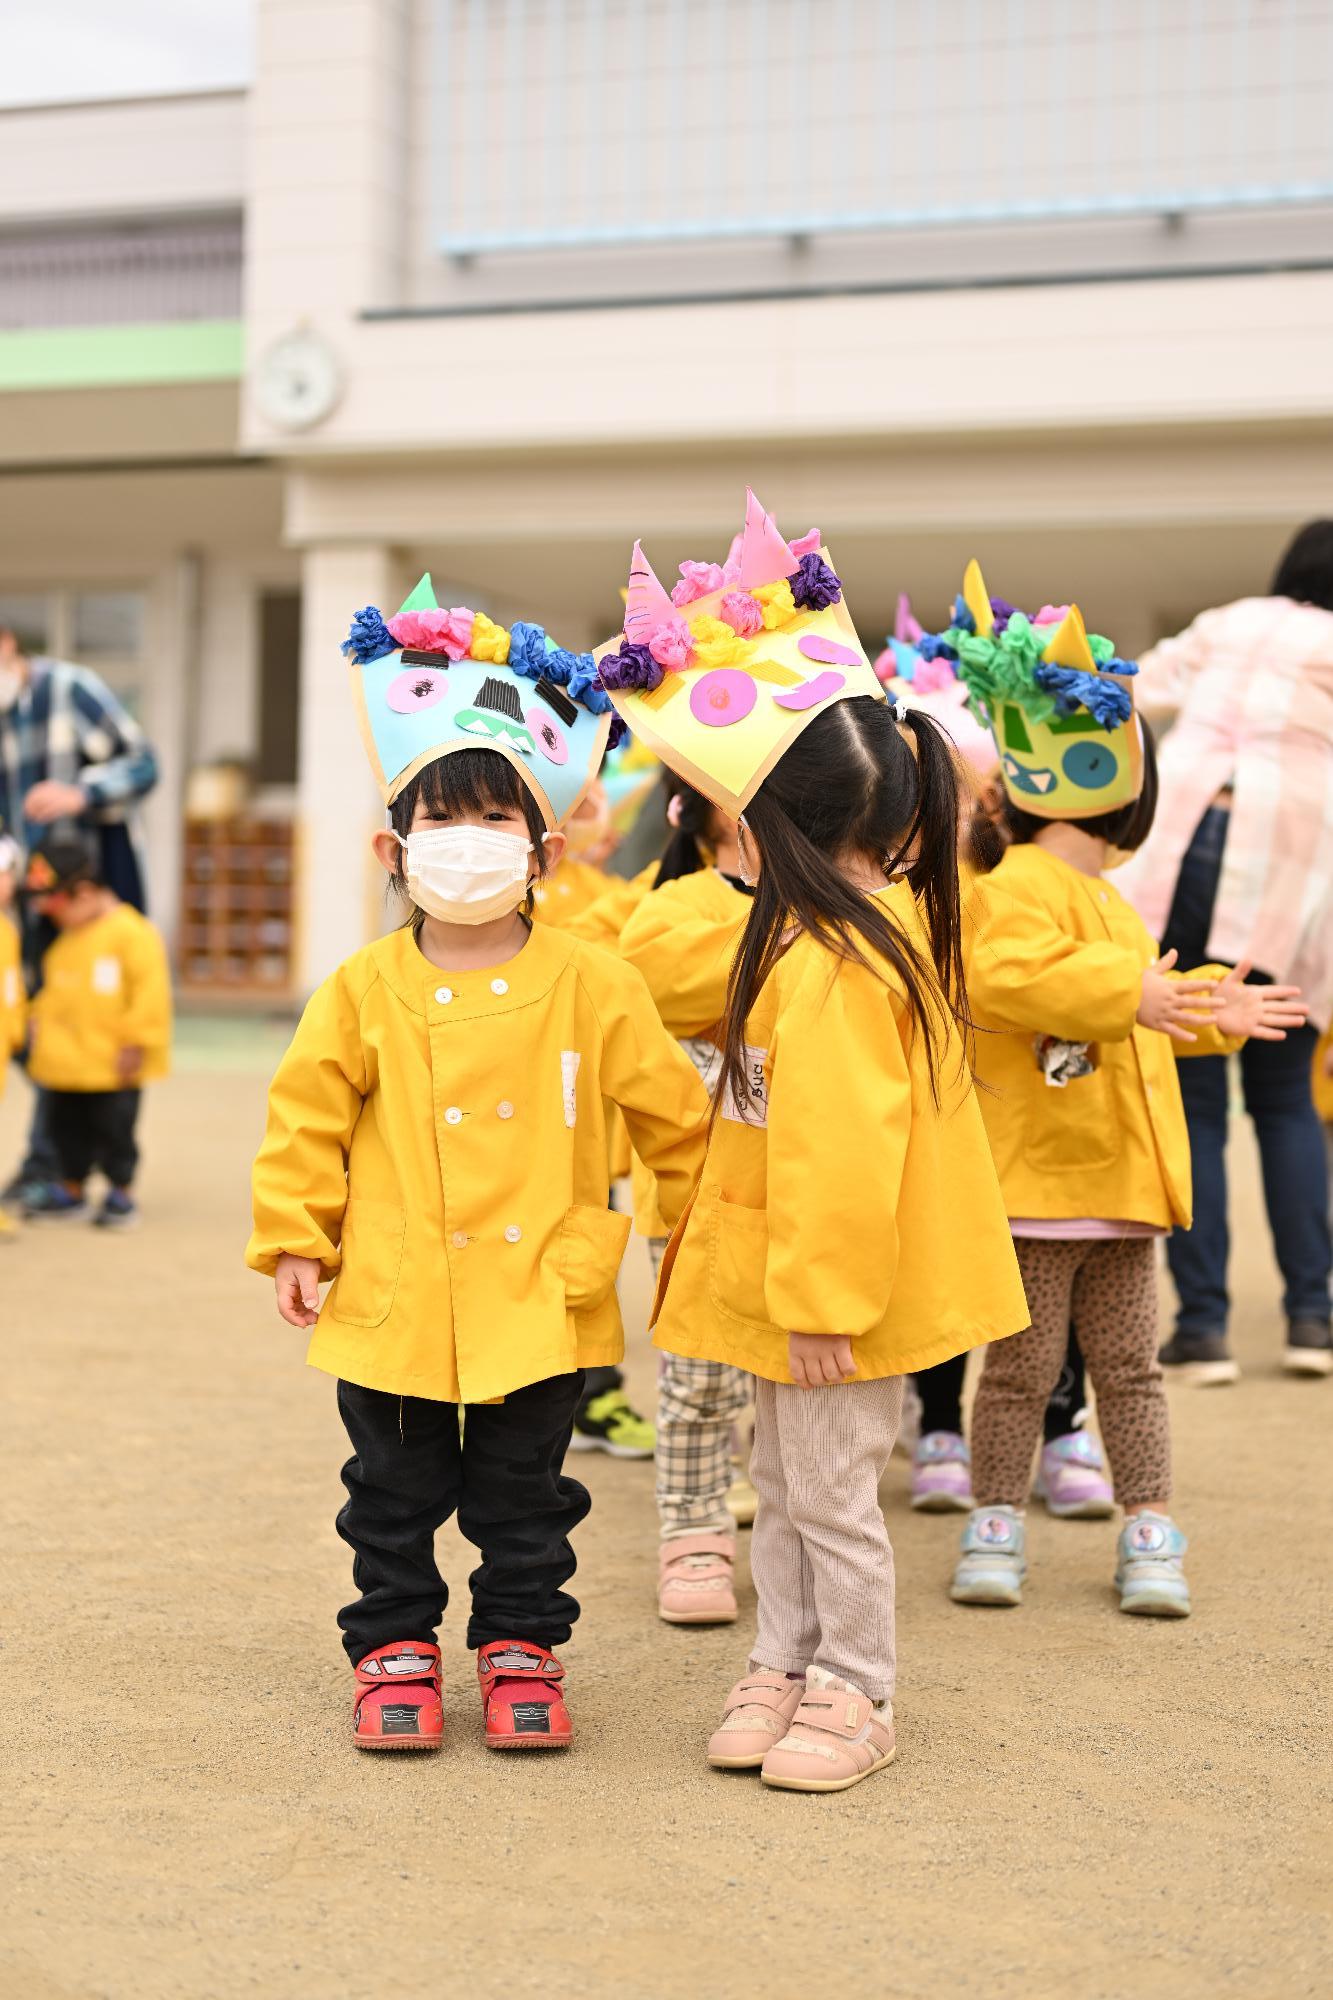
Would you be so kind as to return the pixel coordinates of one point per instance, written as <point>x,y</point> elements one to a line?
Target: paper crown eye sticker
<point>431,681</point>
<point>722,676</point>
<point>1056,699</point>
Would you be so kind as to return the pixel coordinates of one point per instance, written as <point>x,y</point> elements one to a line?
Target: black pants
<point>411,1471</point>
<point>94,1128</point>
<point>941,1391</point>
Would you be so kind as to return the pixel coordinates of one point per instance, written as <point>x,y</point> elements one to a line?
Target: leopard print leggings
<point>1109,1290</point>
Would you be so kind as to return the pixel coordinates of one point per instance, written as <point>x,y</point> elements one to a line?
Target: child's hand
<point>1168,1004</point>
<point>129,1062</point>
<point>818,1358</point>
<point>1261,1012</point>
<point>297,1282</point>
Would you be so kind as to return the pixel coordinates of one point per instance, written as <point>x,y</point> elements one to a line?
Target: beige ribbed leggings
<point>820,1554</point>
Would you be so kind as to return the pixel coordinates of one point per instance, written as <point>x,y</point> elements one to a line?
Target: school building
<point>491,287</point>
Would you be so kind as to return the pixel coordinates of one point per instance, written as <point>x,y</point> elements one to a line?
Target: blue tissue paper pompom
<point>962,617</point>
<point>1104,699</point>
<point>933,646</point>
<point>529,651</point>
<point>585,686</point>
<point>369,638</point>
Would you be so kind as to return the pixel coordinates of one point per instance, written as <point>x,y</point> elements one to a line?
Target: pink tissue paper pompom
<point>742,613</point>
<point>670,646</point>
<point>933,676</point>
<point>697,580</point>
<point>448,632</point>
<point>1052,614</point>
<point>809,544</point>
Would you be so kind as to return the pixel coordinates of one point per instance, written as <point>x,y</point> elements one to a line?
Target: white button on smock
<point>513,1233</point>
<point>504,1109</point>
<point>460,1239</point>
<point>499,986</point>
<point>444,994</point>
<point>453,1116</point>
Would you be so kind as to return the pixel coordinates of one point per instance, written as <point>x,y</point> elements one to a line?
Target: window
<point>107,624</point>
<point>279,686</point>
<point>29,618</point>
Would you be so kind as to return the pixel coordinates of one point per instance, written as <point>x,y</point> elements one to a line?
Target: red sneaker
<point>520,1693</point>
<point>398,1698</point>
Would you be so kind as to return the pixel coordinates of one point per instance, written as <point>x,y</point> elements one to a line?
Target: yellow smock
<point>1051,951</point>
<point>602,920</point>
<point>683,938</point>
<point>567,892</point>
<point>438,1141</point>
<point>13,996</point>
<point>1323,1082</point>
<point>850,1202</point>
<point>106,986</point>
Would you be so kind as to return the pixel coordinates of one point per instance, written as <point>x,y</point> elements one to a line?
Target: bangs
<point>469,781</point>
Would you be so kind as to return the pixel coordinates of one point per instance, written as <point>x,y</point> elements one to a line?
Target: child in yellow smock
<point>846,1154</point>
<point>683,939</point>
<point>100,1030</point>
<point>437,1146</point>
<point>1079,1024</point>
<point>13,995</point>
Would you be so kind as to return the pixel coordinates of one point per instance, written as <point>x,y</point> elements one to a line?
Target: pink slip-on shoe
<point>694,1585</point>
<point>942,1474</point>
<point>837,1737</point>
<point>1071,1479</point>
<point>757,1713</point>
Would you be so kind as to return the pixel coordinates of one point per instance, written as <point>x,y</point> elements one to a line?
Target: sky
<point>121,48</point>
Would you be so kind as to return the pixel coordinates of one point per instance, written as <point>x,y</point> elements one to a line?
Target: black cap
<point>59,862</point>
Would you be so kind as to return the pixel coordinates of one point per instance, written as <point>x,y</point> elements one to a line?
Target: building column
<point>340,903</point>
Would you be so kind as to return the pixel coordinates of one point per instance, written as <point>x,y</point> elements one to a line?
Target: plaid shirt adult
<point>1249,691</point>
<point>68,726</point>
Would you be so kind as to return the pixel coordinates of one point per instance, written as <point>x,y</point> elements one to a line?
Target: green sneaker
<point>607,1423</point>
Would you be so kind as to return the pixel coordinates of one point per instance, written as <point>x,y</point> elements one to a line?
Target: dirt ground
<point>1082,1803</point>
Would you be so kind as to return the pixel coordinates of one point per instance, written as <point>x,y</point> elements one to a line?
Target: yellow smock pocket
<point>372,1256</point>
<point>1074,1127</point>
<point>737,1258</point>
<point>592,1244</point>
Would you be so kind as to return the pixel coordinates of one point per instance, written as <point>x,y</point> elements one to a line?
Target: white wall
<point>132,156</point>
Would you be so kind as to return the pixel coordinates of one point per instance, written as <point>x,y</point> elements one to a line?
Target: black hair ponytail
<point>853,784</point>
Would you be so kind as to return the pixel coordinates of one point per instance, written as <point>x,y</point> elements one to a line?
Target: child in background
<point>1079,1023</point>
<point>683,938</point>
<point>13,997</point>
<point>101,1029</point>
<point>1071,1478</point>
<point>437,1144</point>
<point>820,1251</point>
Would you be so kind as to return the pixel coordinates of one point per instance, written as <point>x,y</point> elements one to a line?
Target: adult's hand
<point>51,800</point>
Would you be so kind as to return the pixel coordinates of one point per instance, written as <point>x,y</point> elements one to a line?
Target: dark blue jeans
<point>1275,1077</point>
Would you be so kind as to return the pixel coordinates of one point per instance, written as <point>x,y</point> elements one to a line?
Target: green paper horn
<point>422,598</point>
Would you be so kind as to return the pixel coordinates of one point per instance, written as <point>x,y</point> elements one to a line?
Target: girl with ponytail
<point>848,1228</point>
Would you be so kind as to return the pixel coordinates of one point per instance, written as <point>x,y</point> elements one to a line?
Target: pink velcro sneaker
<point>837,1737</point>
<point>755,1718</point>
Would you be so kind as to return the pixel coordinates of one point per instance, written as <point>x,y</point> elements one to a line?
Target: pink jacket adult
<point>1249,690</point>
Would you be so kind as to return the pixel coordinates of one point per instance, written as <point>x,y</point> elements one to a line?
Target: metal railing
<point>563,124</point>
<point>122,274</point>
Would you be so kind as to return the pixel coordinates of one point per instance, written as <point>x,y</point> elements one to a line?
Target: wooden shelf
<point>237,932</point>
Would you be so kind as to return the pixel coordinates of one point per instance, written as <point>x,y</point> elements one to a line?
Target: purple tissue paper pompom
<point>369,639</point>
<point>632,670</point>
<point>619,731</point>
<point>1003,611</point>
<point>814,586</point>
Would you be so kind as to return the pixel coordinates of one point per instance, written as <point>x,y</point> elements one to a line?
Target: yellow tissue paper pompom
<point>489,641</point>
<point>777,604</point>
<point>716,645</point>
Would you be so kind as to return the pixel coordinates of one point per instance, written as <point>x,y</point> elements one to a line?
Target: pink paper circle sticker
<point>549,735</point>
<point>416,687</point>
<point>722,697</point>
<point>827,650</point>
<point>810,693</point>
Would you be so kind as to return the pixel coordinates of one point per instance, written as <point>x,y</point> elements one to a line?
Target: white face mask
<point>11,686</point>
<point>466,874</point>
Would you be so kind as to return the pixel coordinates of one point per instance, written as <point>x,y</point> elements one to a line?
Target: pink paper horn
<point>646,603</point>
<point>765,557</point>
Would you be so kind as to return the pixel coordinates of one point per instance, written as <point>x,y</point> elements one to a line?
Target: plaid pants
<point>697,1403</point>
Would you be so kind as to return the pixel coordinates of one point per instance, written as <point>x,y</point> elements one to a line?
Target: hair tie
<point>899,709</point>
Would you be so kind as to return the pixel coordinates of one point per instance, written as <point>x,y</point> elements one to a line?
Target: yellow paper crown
<point>720,686</point>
